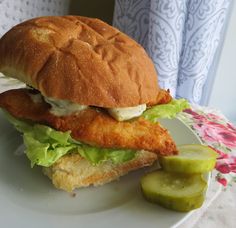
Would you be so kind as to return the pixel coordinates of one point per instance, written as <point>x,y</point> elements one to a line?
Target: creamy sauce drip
<point>65,107</point>
<point>122,114</point>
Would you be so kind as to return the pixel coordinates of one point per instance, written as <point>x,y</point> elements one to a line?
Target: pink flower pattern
<point>216,132</point>
<point>222,180</point>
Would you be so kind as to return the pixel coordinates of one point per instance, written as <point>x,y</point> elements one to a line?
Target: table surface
<point>221,213</point>
<point>220,206</point>
<point>218,210</point>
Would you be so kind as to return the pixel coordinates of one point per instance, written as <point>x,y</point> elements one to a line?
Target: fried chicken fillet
<point>92,126</point>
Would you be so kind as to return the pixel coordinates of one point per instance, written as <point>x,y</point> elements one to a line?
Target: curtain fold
<point>181,37</point>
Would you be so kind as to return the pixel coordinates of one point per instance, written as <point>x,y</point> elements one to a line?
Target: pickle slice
<point>179,192</point>
<point>192,158</point>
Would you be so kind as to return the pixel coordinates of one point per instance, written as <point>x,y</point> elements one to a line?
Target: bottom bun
<point>73,171</point>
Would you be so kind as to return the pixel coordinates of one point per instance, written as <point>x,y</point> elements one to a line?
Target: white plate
<point>28,199</point>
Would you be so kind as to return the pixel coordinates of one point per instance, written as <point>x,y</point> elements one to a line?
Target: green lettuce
<point>169,110</point>
<point>97,155</point>
<point>44,146</point>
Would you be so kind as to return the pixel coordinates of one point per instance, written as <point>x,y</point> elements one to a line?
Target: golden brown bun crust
<point>72,171</point>
<point>80,59</point>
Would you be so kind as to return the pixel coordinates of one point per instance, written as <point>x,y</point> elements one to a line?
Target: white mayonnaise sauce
<point>63,107</point>
<point>121,114</point>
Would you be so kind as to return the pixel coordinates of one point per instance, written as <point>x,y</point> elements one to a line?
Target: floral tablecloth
<point>217,132</point>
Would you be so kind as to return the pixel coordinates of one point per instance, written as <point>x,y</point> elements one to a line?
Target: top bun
<point>80,59</point>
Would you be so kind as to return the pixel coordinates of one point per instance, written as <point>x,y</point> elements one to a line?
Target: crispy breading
<point>163,97</point>
<point>92,126</point>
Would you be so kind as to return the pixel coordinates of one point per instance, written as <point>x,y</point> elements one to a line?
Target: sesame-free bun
<point>80,59</point>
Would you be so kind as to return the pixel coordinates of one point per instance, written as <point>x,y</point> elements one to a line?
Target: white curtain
<point>181,37</point>
<point>13,12</point>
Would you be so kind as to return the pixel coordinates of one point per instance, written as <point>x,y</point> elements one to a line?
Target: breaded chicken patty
<point>92,126</point>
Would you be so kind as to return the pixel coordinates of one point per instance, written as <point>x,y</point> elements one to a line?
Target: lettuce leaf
<point>44,146</point>
<point>169,110</point>
<point>97,155</point>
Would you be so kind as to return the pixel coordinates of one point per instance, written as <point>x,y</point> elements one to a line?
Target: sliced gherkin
<point>192,158</point>
<point>179,192</point>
